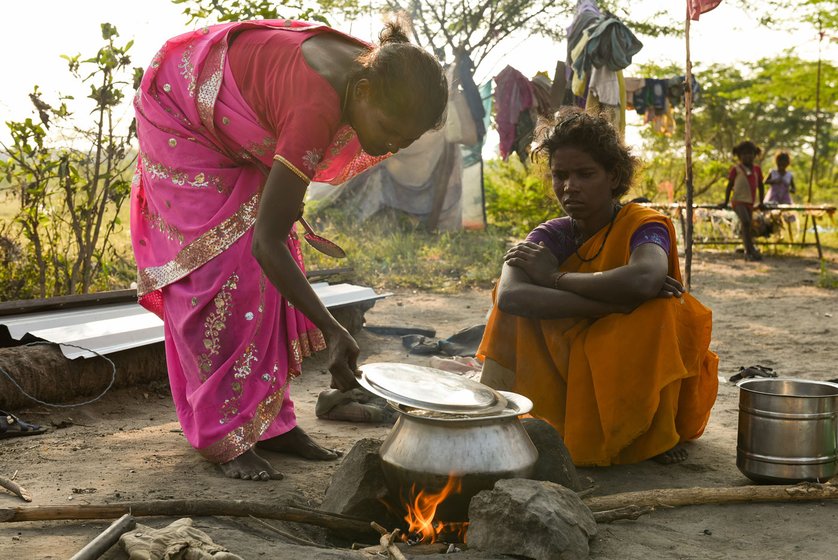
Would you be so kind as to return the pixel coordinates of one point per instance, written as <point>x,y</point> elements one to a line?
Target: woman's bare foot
<point>297,442</point>
<point>675,455</point>
<point>250,466</point>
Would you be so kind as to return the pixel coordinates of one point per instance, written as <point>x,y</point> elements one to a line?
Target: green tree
<point>447,27</point>
<point>241,10</point>
<point>477,27</point>
<point>770,101</point>
<point>70,197</point>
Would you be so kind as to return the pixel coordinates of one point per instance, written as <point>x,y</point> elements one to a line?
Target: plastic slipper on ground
<point>752,371</point>
<point>12,426</point>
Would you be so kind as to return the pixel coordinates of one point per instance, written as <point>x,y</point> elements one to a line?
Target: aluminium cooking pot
<point>475,437</point>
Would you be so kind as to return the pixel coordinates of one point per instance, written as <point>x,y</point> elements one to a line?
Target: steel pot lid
<point>429,388</point>
<point>516,405</point>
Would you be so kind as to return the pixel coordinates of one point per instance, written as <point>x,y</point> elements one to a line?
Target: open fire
<point>421,508</point>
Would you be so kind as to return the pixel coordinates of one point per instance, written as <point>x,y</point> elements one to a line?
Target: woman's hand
<point>671,288</point>
<point>343,356</point>
<point>535,259</point>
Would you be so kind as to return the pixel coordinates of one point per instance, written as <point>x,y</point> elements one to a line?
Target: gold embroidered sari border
<point>206,247</point>
<point>245,436</point>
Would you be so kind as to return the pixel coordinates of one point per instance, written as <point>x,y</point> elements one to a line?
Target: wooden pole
<point>817,131</point>
<point>688,158</point>
<point>672,497</point>
<point>201,508</point>
<point>817,114</point>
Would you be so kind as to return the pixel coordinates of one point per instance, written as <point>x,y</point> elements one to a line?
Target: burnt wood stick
<point>673,497</point>
<point>98,546</point>
<point>387,541</point>
<point>231,508</point>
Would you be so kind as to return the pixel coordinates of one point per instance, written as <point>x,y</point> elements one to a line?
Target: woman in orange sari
<point>590,319</point>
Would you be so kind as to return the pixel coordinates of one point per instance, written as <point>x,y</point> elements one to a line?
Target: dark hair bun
<point>393,32</point>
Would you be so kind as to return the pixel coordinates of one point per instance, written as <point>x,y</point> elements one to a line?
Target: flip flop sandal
<point>752,371</point>
<point>12,426</point>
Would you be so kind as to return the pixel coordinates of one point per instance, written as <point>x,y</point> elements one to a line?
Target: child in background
<point>744,179</point>
<point>781,183</point>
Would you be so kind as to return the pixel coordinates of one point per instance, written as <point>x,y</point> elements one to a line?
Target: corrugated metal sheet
<point>114,327</point>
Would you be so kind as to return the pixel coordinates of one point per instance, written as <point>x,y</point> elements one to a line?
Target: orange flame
<point>421,511</point>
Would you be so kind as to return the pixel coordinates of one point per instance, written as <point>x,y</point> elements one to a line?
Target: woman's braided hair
<point>407,81</point>
<point>594,135</point>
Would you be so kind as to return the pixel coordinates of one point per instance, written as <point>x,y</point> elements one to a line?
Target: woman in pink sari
<point>233,122</point>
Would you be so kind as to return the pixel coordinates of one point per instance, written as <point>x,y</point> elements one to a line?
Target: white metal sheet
<point>114,327</point>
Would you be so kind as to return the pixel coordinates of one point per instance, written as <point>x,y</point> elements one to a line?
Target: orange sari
<point>622,388</point>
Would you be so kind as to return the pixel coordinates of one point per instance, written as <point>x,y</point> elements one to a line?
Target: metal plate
<point>430,389</point>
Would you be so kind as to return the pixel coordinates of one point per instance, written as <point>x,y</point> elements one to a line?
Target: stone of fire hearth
<point>358,487</point>
<point>554,462</point>
<point>533,519</point>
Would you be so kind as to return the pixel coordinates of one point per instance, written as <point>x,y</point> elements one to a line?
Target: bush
<point>518,198</point>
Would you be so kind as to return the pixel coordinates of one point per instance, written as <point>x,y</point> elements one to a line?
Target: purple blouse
<point>557,235</point>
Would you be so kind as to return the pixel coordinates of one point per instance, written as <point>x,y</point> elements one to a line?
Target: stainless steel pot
<point>788,430</point>
<point>422,451</point>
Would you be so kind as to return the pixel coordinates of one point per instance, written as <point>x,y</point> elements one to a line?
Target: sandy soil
<point>127,447</point>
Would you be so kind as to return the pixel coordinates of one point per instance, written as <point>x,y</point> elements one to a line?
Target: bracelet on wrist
<point>558,277</point>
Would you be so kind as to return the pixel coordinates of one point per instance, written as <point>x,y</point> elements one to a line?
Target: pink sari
<point>233,343</point>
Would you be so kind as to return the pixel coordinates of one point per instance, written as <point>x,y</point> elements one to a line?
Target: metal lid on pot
<point>430,389</point>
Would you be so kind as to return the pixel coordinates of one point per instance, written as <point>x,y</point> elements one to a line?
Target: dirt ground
<point>128,447</point>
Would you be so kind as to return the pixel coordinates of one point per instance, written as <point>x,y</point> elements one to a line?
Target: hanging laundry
<point>581,70</point>
<point>465,77</point>
<point>615,109</point>
<point>676,87</point>
<point>655,98</point>
<point>541,91</point>
<point>559,87</point>
<point>524,133</point>
<point>605,86</point>
<point>653,95</point>
<point>513,97</point>
<point>586,13</point>
<point>609,43</point>
<point>633,85</point>
<point>460,125</point>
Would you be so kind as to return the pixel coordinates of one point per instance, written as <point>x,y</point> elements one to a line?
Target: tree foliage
<point>477,27</point>
<point>771,102</point>
<point>70,183</point>
<point>217,11</point>
<point>444,26</point>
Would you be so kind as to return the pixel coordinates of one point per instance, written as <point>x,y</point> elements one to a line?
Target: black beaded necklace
<point>577,236</point>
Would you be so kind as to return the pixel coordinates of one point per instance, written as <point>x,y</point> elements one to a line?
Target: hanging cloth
<point>513,95</point>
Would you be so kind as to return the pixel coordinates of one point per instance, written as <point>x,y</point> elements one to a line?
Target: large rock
<point>358,487</point>
<point>554,462</point>
<point>532,519</point>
